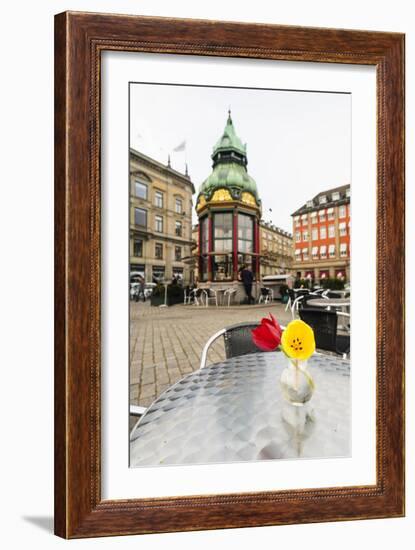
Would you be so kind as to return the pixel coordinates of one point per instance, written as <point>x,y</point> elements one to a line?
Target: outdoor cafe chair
<point>230,293</point>
<point>345,326</point>
<point>210,294</point>
<point>238,341</point>
<point>193,295</point>
<point>293,300</point>
<point>324,325</point>
<point>265,295</point>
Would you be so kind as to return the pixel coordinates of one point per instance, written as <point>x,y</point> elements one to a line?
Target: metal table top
<point>329,302</point>
<point>234,411</point>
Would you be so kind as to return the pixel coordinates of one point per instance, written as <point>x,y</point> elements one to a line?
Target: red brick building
<point>321,231</point>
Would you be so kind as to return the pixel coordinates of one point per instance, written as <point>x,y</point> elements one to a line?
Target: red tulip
<point>268,335</point>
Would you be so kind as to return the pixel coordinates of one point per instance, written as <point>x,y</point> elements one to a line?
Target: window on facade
<point>297,221</point>
<point>178,253</point>
<point>335,196</point>
<point>313,217</point>
<point>138,269</point>
<point>331,231</point>
<point>140,217</point>
<point>179,206</point>
<point>158,224</point>
<point>305,253</point>
<point>323,252</point>
<point>309,204</point>
<point>342,211</point>
<point>348,192</point>
<point>342,229</point>
<point>332,251</point>
<point>158,199</point>
<point>158,272</point>
<point>314,252</point>
<point>314,234</point>
<point>141,190</point>
<point>343,250</point>
<point>323,232</point>
<point>245,233</point>
<point>159,251</point>
<point>322,199</point>
<point>305,235</point>
<point>178,273</point>
<point>138,248</point>
<point>322,215</point>
<point>179,229</point>
<point>330,213</point>
<point>304,218</point>
<point>298,255</point>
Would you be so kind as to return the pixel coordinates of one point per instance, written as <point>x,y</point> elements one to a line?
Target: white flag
<point>180,147</point>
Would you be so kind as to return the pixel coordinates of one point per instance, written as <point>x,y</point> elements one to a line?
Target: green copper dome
<point>229,167</point>
<point>229,175</point>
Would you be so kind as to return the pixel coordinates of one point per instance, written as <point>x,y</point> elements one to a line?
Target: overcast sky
<point>298,143</point>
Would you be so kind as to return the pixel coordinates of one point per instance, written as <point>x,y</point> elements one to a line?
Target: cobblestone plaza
<point>166,343</point>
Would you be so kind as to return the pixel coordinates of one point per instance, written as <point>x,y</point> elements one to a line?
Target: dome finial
<point>229,115</point>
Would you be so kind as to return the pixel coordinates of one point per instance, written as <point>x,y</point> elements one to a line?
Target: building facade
<point>321,230</point>
<point>276,250</point>
<point>160,220</point>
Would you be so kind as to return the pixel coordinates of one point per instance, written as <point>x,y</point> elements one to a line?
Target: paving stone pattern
<point>166,343</point>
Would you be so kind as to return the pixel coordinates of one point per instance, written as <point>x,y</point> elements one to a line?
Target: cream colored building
<point>277,250</point>
<point>160,220</point>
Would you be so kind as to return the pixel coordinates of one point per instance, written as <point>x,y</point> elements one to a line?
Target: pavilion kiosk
<point>229,211</point>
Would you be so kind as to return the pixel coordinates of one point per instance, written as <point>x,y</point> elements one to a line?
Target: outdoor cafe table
<point>328,303</point>
<point>234,411</point>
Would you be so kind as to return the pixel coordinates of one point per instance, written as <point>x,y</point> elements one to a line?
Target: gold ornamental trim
<point>248,198</point>
<point>201,203</point>
<point>221,195</point>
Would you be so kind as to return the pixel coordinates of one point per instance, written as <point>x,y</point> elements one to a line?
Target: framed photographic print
<point>229,346</point>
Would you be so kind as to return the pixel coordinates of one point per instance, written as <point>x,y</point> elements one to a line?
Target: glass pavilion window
<point>245,234</point>
<point>204,238</point>
<point>246,242</point>
<point>222,243</point>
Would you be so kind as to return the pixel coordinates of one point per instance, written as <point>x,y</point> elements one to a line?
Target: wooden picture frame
<point>79,40</point>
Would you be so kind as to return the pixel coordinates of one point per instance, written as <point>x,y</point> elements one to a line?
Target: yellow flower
<point>298,340</point>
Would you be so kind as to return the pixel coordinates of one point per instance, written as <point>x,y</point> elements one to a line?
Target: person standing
<point>247,279</point>
<point>141,288</point>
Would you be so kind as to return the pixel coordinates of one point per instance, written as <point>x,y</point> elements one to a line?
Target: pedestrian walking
<point>247,279</point>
